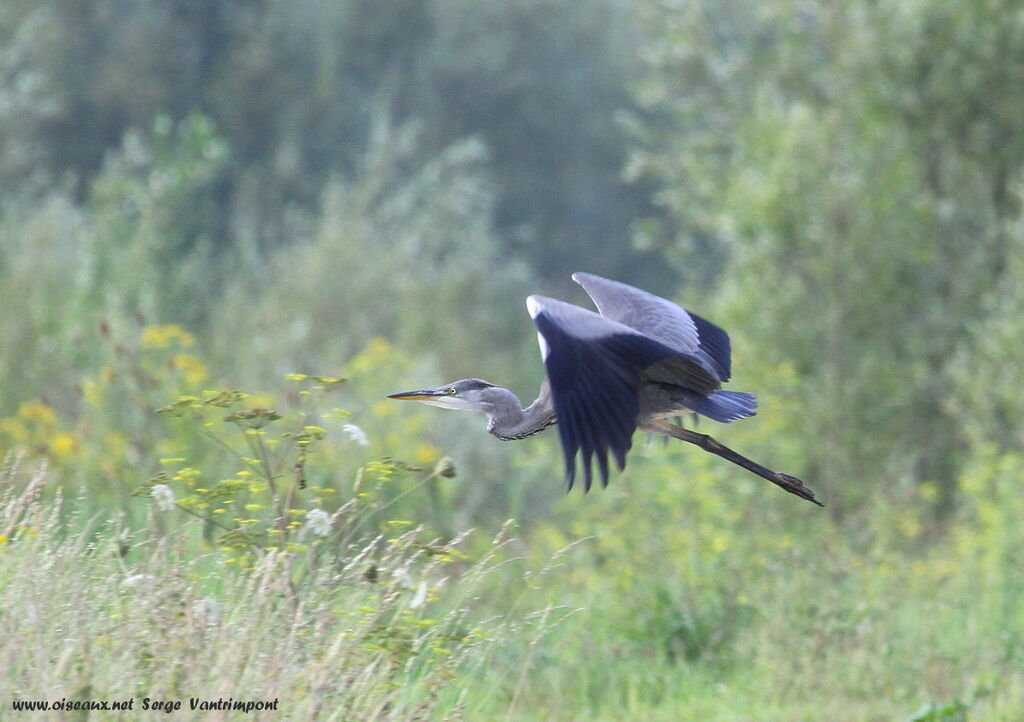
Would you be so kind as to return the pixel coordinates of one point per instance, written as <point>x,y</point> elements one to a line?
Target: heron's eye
<point>452,390</point>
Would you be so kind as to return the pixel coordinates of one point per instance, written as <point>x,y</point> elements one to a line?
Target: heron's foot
<point>795,486</point>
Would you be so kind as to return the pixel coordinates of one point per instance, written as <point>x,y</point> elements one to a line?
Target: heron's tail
<point>723,406</point>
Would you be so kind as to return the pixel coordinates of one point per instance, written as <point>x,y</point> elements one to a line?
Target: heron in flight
<point>639,361</point>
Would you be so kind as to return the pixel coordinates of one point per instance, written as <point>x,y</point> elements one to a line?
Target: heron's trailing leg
<point>787,482</point>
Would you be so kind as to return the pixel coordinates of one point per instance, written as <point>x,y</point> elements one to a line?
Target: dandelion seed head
<point>318,522</point>
<point>355,434</point>
<point>163,497</point>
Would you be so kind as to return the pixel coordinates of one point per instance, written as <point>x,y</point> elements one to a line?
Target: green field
<point>685,590</point>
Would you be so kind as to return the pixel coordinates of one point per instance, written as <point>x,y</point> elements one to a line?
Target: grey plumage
<point>640,360</point>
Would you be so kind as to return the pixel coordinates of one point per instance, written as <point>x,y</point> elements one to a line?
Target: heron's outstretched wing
<point>660,319</point>
<point>594,367</point>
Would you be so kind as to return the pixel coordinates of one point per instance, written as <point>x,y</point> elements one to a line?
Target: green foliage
<point>399,235</point>
<point>952,712</point>
<point>268,502</point>
<point>987,373</point>
<point>298,88</point>
<point>155,221</point>
<point>139,614</point>
<point>707,595</point>
<point>819,148</point>
<point>133,254</point>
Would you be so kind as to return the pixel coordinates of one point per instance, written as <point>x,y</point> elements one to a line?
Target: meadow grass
<point>712,614</point>
<point>92,610</point>
<point>753,609</point>
<point>255,546</point>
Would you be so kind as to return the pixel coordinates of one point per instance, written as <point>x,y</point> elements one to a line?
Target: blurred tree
<point>543,83</point>
<point>433,287</point>
<point>135,250</point>
<point>294,88</point>
<point>855,167</point>
<point>989,376</point>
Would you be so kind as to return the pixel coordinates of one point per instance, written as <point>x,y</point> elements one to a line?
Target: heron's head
<point>464,395</point>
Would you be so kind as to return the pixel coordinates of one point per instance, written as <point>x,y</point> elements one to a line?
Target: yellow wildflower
<point>14,429</point>
<point>192,367</point>
<point>165,336</point>
<point>427,454</point>
<point>63,445</point>
<point>36,411</point>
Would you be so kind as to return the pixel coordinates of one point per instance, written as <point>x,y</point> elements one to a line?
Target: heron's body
<point>640,360</point>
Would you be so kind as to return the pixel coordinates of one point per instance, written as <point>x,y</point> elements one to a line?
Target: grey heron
<point>638,361</point>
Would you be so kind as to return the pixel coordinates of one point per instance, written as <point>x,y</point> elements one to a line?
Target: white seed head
<point>163,497</point>
<point>404,577</point>
<point>318,522</point>
<point>355,434</point>
<point>420,597</point>
<point>207,609</point>
<point>138,581</point>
